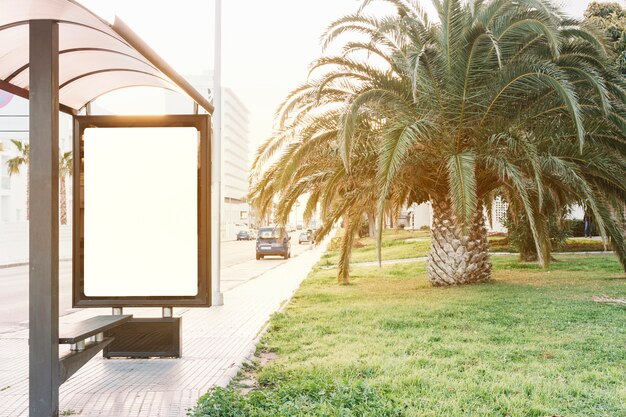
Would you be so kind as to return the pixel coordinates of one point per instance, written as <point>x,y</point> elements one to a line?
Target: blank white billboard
<point>141,212</point>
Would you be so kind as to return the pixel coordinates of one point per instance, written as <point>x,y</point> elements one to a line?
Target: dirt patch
<point>266,357</point>
<point>247,379</point>
<point>607,300</point>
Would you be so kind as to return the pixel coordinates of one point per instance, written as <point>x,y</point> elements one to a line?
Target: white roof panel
<point>93,57</point>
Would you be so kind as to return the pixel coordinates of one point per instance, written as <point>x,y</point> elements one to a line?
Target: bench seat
<point>75,332</point>
<point>82,351</point>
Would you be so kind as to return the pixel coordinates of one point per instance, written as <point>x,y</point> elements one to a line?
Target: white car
<point>304,237</point>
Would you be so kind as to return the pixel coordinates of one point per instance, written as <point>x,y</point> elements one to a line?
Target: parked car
<point>299,227</point>
<point>246,235</point>
<point>304,237</point>
<point>273,240</point>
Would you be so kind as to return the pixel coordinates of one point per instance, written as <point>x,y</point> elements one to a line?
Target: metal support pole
<point>217,297</point>
<point>44,220</point>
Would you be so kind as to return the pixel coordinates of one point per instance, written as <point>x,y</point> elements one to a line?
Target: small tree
<point>521,237</point>
<point>611,18</point>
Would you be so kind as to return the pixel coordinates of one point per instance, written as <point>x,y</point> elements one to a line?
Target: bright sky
<point>267,44</point>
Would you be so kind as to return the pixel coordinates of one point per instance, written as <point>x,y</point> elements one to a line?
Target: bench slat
<point>72,333</point>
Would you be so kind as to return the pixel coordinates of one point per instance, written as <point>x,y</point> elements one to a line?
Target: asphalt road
<point>238,265</point>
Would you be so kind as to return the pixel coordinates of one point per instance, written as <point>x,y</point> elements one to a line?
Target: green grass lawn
<point>400,244</point>
<point>576,244</point>
<point>531,342</point>
<point>404,244</point>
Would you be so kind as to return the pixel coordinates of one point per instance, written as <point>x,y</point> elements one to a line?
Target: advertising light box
<point>140,211</point>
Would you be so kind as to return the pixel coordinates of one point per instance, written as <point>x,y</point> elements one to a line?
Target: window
<point>270,232</point>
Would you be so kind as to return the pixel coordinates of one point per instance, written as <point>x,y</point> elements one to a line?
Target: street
<point>238,266</point>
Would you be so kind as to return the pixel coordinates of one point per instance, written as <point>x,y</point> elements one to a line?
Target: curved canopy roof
<point>94,56</point>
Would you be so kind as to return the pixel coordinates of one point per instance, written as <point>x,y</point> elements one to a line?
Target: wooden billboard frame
<point>202,123</point>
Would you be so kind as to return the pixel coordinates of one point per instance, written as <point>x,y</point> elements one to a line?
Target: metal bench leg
<point>78,346</point>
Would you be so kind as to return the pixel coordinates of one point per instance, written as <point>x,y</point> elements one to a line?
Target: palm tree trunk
<point>345,250</point>
<point>457,256</point>
<point>527,254</point>
<point>63,202</point>
<point>371,220</point>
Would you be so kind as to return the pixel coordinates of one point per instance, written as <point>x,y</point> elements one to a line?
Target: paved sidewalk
<point>216,341</point>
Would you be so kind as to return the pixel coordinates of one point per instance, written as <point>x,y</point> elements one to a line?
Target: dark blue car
<point>273,240</point>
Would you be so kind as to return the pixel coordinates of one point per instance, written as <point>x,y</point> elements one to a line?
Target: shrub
<point>364,228</point>
<point>521,238</point>
<point>334,243</point>
<point>577,227</point>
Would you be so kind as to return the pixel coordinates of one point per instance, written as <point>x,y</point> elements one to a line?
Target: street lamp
<point>216,162</point>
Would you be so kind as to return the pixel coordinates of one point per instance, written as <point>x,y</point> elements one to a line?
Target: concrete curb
<point>250,350</point>
<point>15,264</point>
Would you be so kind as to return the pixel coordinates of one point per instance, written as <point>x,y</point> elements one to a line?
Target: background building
<point>235,151</point>
<point>14,124</point>
<point>420,215</point>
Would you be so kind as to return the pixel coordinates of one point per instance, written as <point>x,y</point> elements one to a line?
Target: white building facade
<point>236,159</point>
<point>14,125</point>
<point>235,164</point>
<point>418,216</point>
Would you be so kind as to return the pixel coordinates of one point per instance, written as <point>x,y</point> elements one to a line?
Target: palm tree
<point>23,158</point>
<point>14,165</point>
<point>312,166</point>
<point>65,169</point>
<point>497,97</point>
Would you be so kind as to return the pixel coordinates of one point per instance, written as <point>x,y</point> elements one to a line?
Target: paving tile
<point>216,341</point>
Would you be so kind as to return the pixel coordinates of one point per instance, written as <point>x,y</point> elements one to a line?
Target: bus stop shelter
<point>61,57</point>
